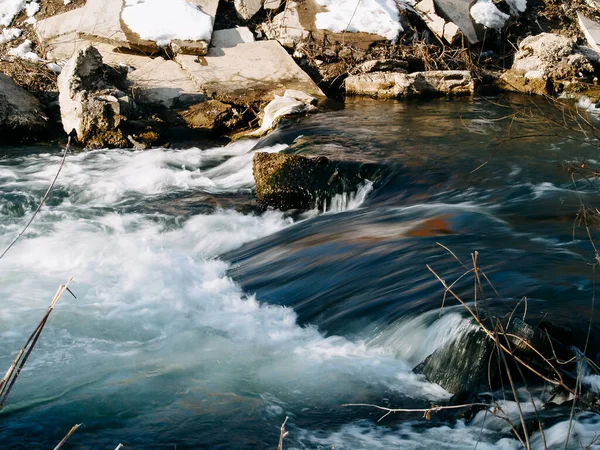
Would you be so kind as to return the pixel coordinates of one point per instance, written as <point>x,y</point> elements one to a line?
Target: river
<point>201,322</point>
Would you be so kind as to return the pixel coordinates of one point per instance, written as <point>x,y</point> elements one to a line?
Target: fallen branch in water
<point>13,372</point>
<point>71,431</point>
<point>282,434</point>
<point>426,411</point>
<point>42,202</point>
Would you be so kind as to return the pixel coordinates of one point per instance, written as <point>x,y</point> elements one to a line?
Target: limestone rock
<point>247,8</point>
<point>441,27</point>
<point>91,107</point>
<point>21,115</point>
<point>542,60</point>
<point>210,115</point>
<point>398,85</point>
<point>382,65</point>
<point>286,27</point>
<point>247,73</point>
<point>287,181</point>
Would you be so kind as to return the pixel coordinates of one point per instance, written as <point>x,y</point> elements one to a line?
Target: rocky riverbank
<point>125,73</point>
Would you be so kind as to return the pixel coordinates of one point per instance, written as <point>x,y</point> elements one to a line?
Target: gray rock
<point>247,8</point>
<point>21,115</point>
<point>398,85</point>
<point>286,27</point>
<point>459,12</point>
<point>591,31</point>
<point>89,106</point>
<point>231,37</point>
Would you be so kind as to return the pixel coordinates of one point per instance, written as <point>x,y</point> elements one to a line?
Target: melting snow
<point>160,21</point>
<point>9,34</point>
<point>10,8</point>
<point>485,13</point>
<point>24,51</point>
<point>367,16</point>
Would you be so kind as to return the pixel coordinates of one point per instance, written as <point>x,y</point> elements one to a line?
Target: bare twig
<point>71,431</point>
<point>282,434</point>
<point>44,198</point>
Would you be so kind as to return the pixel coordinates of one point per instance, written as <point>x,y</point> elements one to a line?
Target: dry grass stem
<point>13,372</point>
<point>66,438</point>
<point>282,434</point>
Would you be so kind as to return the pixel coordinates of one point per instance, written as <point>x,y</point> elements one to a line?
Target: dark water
<point>202,322</point>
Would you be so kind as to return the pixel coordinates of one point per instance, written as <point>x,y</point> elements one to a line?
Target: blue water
<point>202,321</point>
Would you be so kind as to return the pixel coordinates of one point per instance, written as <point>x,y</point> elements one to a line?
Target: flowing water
<point>202,322</point>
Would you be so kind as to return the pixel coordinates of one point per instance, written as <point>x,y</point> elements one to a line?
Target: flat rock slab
<point>231,37</point>
<point>251,72</point>
<point>459,12</point>
<point>160,81</point>
<point>591,30</point>
<point>416,84</point>
<point>100,21</point>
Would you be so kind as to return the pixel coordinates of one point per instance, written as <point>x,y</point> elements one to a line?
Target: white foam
<point>162,22</point>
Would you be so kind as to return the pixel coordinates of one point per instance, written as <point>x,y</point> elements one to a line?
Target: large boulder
<point>90,106</point>
<point>21,115</point>
<point>544,61</point>
<point>288,181</point>
<point>397,85</point>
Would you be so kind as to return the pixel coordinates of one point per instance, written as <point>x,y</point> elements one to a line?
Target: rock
<point>231,37</point>
<point>100,21</point>
<point>381,65</point>
<point>397,85</point>
<point>247,73</point>
<point>198,48</point>
<point>469,363</point>
<point>286,181</point>
<point>543,61</point>
<point>286,27</point>
<point>95,110</point>
<point>458,12</point>
<point>210,115</point>
<point>272,4</point>
<point>247,8</point>
<point>21,115</point>
<point>591,31</point>
<point>443,29</point>
<point>462,364</point>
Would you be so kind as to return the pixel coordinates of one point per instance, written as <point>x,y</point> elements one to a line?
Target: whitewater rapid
<point>159,331</point>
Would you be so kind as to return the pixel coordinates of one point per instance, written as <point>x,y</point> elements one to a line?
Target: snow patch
<point>9,34</point>
<point>517,6</point>
<point>485,13</point>
<point>587,104</point>
<point>24,51</point>
<point>367,16</point>
<point>9,9</point>
<point>54,67</point>
<point>162,22</point>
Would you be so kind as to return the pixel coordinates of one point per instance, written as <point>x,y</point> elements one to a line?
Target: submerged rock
<point>21,115</point>
<point>93,109</point>
<point>397,84</point>
<point>470,362</point>
<point>286,181</point>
